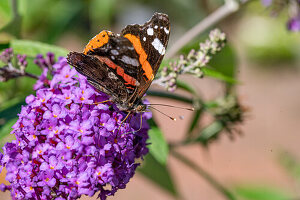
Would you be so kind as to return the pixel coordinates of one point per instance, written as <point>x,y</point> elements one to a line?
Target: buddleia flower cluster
<point>193,63</point>
<point>67,143</point>
<point>293,7</point>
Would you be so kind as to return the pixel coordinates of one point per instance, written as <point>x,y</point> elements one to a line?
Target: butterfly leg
<point>124,120</point>
<point>97,103</point>
<point>141,125</point>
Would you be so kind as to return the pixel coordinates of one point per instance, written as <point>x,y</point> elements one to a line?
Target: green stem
<point>170,96</point>
<point>224,191</point>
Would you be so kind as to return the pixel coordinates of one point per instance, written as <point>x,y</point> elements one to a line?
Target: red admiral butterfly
<point>124,66</point>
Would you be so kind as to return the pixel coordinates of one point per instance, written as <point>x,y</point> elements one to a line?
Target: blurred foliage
<point>290,163</point>
<point>256,192</point>
<point>158,145</point>
<point>266,39</point>
<point>158,174</point>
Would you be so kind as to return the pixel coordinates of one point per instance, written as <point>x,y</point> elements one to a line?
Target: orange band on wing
<point>120,71</point>
<point>97,41</point>
<point>143,56</point>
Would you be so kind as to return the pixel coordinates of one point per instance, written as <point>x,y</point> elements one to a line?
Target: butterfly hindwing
<point>98,75</point>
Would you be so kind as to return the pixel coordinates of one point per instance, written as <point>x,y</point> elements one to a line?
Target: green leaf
<point>195,120</point>
<point>102,12</point>
<point>218,75</point>
<point>9,110</point>
<point>210,132</point>
<point>4,46</point>
<point>185,86</point>
<point>261,193</point>
<point>225,61</point>
<point>32,48</point>
<point>5,11</point>
<point>6,129</point>
<point>158,146</point>
<point>158,174</point>
<point>60,17</point>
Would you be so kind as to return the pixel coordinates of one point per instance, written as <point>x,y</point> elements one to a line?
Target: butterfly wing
<point>99,75</point>
<point>150,41</point>
<point>124,66</point>
<point>120,56</point>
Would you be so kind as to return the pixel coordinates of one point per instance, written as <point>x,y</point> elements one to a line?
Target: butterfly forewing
<point>153,37</point>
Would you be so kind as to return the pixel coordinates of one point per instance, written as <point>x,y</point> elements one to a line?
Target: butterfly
<point>124,65</point>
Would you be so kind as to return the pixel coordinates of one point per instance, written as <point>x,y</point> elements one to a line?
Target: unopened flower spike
<point>229,112</point>
<point>10,70</point>
<point>194,61</point>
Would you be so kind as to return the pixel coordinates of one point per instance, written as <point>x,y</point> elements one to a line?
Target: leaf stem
<point>218,186</point>
<point>31,75</point>
<point>228,8</point>
<point>172,96</point>
<point>10,72</point>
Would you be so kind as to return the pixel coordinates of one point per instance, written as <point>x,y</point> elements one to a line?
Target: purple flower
<point>294,24</point>
<point>293,7</point>
<point>266,2</point>
<point>46,62</point>
<point>6,55</point>
<point>66,146</point>
<point>22,62</point>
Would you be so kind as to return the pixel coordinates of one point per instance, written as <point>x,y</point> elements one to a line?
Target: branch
<point>228,8</point>
<point>9,72</point>
<point>224,191</point>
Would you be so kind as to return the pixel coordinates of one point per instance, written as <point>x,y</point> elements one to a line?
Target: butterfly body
<point>124,66</point>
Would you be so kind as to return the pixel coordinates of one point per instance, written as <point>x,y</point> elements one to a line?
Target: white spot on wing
<point>150,31</point>
<point>112,75</point>
<point>130,61</point>
<point>155,26</point>
<point>144,38</point>
<point>114,52</point>
<point>112,57</point>
<point>158,46</point>
<point>166,30</point>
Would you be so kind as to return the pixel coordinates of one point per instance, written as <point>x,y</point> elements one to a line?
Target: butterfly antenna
<point>166,105</point>
<point>172,118</point>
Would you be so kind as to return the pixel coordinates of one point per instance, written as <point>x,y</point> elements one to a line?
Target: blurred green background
<point>263,164</point>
